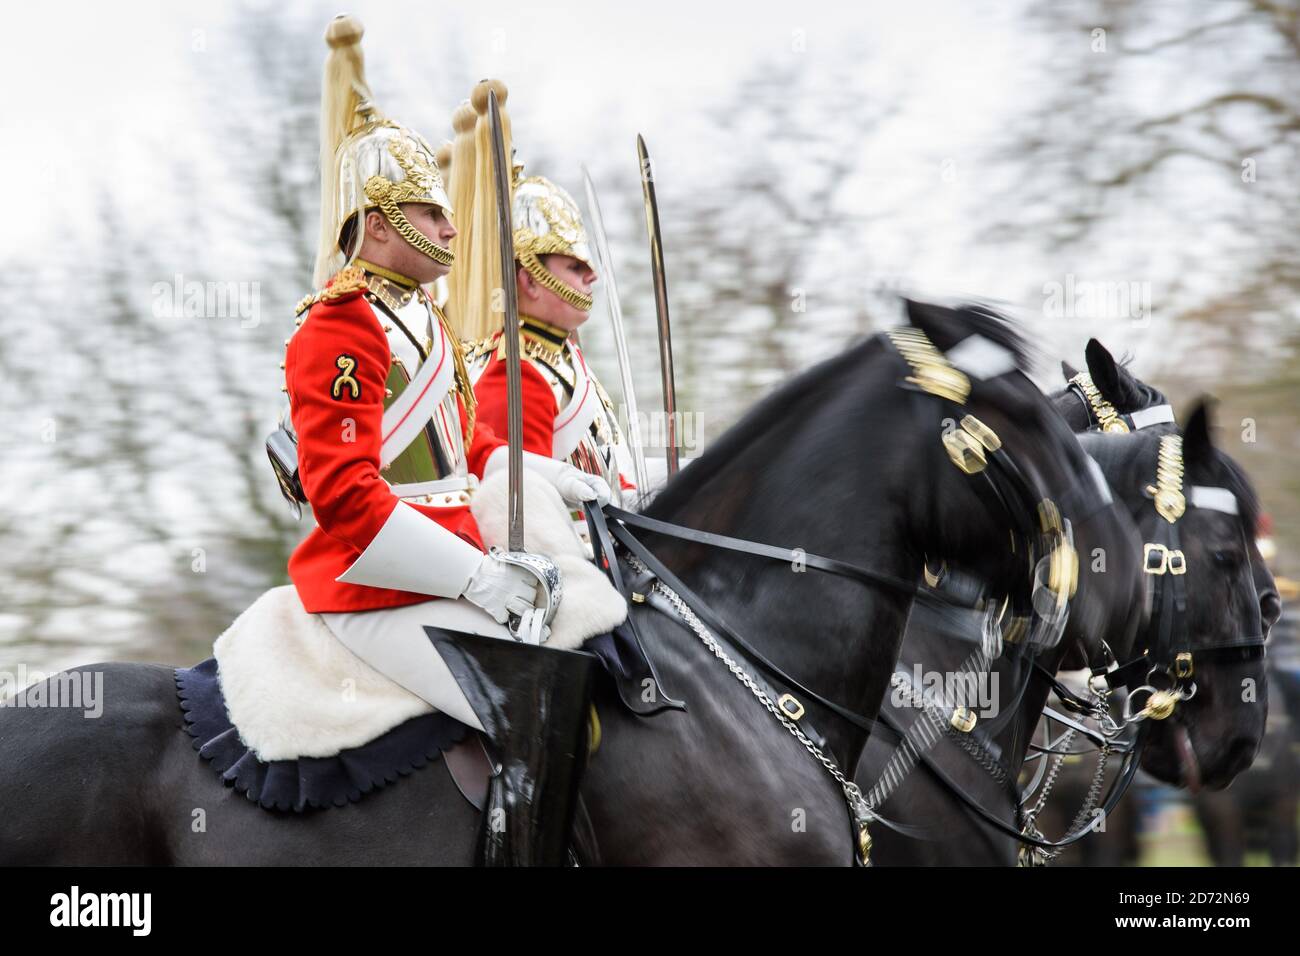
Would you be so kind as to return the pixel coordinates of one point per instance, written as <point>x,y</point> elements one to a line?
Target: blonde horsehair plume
<point>461,190</point>
<point>343,93</point>
<point>442,156</point>
<point>474,307</point>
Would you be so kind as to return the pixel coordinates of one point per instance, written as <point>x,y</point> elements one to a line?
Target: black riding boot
<point>533,703</point>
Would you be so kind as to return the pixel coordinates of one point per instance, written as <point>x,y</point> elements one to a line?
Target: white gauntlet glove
<point>501,589</point>
<point>574,485</point>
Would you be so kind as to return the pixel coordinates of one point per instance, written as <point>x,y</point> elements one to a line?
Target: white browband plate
<point>1155,415</point>
<point>1216,499</point>
<point>981,358</point>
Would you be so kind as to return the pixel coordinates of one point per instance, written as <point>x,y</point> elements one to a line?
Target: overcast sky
<point>107,96</point>
<point>122,85</point>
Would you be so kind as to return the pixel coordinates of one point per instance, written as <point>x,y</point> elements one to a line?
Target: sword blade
<point>661,306</point>
<point>606,262</point>
<point>510,329</point>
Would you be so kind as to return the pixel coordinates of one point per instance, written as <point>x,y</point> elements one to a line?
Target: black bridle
<point>1038,532</point>
<point>1166,647</point>
<point>1162,653</point>
<point>1165,562</point>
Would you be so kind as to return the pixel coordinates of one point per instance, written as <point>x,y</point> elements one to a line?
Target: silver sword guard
<point>550,582</point>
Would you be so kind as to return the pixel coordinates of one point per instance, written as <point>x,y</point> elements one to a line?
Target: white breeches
<point>393,642</point>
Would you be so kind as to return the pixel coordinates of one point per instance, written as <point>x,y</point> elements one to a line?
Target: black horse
<point>1209,740</point>
<point>841,462</point>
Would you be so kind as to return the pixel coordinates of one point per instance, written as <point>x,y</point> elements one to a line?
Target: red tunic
<point>539,403</point>
<point>339,438</point>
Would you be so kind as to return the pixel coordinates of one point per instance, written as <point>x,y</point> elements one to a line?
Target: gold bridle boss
<point>971,447</point>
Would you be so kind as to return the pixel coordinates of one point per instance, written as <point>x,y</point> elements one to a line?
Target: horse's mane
<point>1126,450</point>
<point>757,420</point>
<point>943,325</point>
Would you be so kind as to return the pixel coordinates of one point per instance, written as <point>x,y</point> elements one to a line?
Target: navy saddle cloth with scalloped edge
<point>307,782</point>
<point>320,782</point>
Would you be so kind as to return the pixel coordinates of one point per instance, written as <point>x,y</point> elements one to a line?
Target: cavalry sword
<point>661,306</point>
<point>510,331</point>
<point>606,263</point>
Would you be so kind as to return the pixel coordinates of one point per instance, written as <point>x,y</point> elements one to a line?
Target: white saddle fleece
<point>292,689</point>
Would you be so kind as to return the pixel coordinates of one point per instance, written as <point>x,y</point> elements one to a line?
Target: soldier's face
<point>386,247</point>
<point>541,303</point>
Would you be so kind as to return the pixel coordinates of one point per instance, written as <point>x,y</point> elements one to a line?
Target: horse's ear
<point>1105,371</point>
<point>1198,446</point>
<point>940,323</point>
<point>1068,370</point>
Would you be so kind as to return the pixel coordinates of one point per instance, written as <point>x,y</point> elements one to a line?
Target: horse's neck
<point>812,479</point>
<point>836,636</point>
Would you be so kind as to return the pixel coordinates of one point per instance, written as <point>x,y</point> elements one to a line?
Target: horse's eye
<point>1227,559</point>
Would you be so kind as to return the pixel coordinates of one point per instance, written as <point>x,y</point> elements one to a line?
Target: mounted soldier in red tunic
<point>389,454</point>
<point>567,413</point>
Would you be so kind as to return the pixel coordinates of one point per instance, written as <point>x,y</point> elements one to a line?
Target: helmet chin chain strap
<point>386,195</point>
<point>549,280</point>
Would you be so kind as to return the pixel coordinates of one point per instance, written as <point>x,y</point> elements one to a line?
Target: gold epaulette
<point>345,283</point>
<point>534,347</point>
<point>539,350</point>
<point>476,350</point>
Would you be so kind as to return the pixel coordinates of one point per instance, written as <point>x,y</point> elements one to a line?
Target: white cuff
<point>548,468</point>
<point>499,458</point>
<point>412,552</point>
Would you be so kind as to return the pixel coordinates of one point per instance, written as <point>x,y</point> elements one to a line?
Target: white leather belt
<point>445,492</point>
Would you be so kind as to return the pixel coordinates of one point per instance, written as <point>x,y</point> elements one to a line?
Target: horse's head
<point>925,443</point>
<point>1211,599</point>
<point>1225,739</point>
<point>1117,390</point>
<point>1062,492</point>
<point>1129,395</point>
